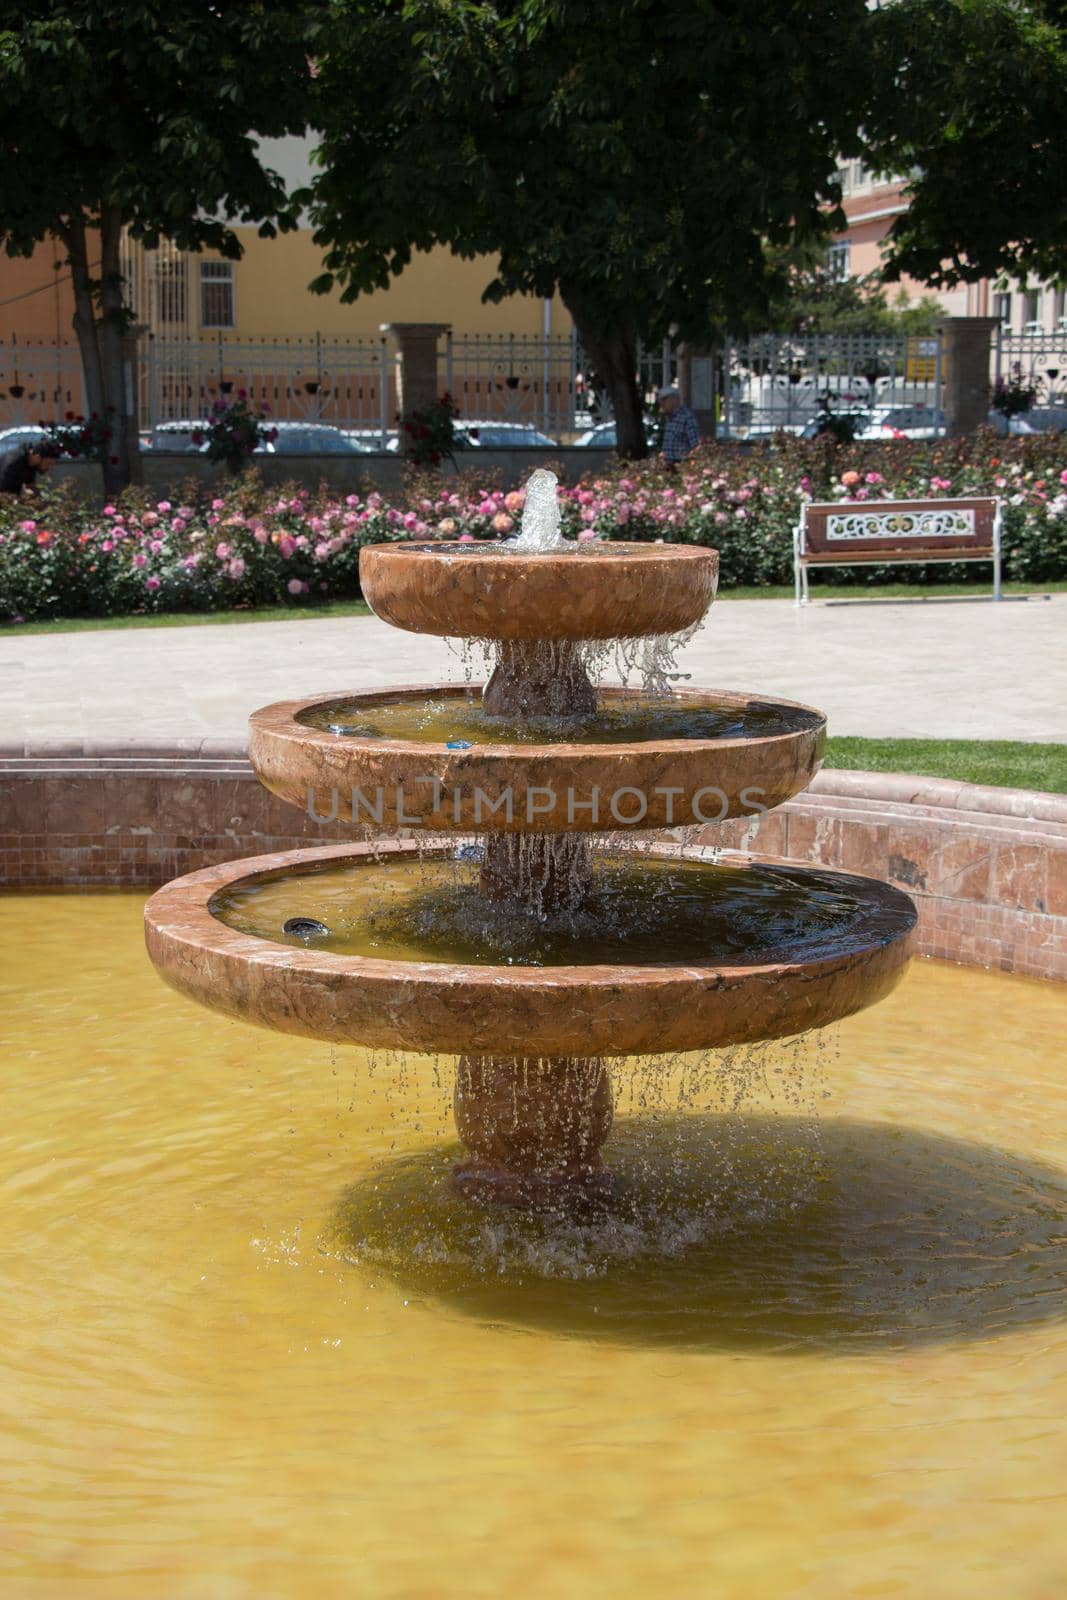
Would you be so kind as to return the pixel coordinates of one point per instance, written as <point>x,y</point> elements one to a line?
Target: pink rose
<point>151,583</point>
<point>163,505</point>
<point>140,559</point>
<point>222,550</point>
<point>502,522</point>
<point>217,505</point>
<point>849,478</point>
<point>261,536</point>
<point>295,586</point>
<point>236,568</point>
<point>286,546</point>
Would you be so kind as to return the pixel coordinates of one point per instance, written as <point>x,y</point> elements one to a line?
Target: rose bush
<point>250,545</point>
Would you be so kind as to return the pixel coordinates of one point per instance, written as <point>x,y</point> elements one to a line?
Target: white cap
<point>667,392</point>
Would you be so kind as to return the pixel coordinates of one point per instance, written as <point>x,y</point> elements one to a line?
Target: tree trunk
<point>84,322</point>
<point>120,456</point>
<point>611,345</point>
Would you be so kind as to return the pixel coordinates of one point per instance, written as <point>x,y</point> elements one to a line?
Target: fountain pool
<point>257,1345</point>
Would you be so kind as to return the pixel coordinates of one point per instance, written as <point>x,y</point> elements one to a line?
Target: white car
<point>912,421</point>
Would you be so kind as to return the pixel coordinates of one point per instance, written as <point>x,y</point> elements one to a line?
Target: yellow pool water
<point>254,1347</point>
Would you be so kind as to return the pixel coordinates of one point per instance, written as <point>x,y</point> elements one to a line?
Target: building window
<point>853,175</point>
<point>839,261</point>
<point>1002,310</point>
<point>216,294</point>
<point>1032,309</point>
<point>171,299</point>
<point>1059,308</point>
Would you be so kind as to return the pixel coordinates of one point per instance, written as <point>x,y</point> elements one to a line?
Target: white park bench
<point>848,533</point>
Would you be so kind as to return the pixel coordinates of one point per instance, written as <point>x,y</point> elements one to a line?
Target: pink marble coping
<point>552,787</point>
<point>478,591</point>
<point>429,1007</point>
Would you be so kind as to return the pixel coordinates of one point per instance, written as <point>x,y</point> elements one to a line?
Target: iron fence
<point>532,380</point>
<point>347,383</point>
<point>39,381</point>
<point>1038,359</point>
<point>779,381</point>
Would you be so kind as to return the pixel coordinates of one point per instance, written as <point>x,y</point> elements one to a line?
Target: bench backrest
<point>919,525</point>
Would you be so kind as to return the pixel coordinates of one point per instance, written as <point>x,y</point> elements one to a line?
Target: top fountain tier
<point>497,590</point>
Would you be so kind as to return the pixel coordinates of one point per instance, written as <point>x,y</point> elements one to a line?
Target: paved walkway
<point>969,670</point>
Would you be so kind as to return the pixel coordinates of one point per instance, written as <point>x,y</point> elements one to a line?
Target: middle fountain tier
<point>531,922</point>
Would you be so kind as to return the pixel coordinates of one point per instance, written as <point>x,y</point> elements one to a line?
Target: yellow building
<point>265,295</point>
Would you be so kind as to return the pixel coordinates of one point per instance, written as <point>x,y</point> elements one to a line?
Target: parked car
<point>313,439</point>
<point>294,439</point>
<point>491,435</point>
<point>914,421</point>
<point>176,436</point>
<point>604,437</point>
<point>1043,419</point>
<point>15,438</point>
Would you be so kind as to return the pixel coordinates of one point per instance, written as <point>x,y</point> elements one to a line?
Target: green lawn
<point>892,591</point>
<point>996,761</point>
<point>190,619</point>
<point>356,608</point>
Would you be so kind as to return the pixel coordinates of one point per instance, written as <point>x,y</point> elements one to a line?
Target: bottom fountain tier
<point>399,946</point>
<point>393,946</point>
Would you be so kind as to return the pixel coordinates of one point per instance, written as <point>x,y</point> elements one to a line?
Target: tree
<point>971,99</point>
<point>146,117</point>
<point>637,158</point>
<point>815,300</point>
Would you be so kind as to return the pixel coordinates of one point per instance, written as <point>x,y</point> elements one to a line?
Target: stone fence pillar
<point>965,368</point>
<point>419,382</point>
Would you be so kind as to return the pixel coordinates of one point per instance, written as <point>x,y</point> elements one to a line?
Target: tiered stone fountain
<point>538,947</point>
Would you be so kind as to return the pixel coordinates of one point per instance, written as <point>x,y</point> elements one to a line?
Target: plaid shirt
<point>680,434</point>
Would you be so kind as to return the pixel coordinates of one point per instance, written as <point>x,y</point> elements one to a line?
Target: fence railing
<point>755,386</point>
<point>39,381</point>
<point>529,379</point>
<point>348,383</point>
<point>779,381</point>
<point>1039,359</point>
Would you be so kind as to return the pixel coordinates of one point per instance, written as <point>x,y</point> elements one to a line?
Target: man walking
<point>681,433</point>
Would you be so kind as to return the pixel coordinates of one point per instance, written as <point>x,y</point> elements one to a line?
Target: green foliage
<point>813,300</point>
<point>969,99</point>
<point>235,428</point>
<point>637,159</point>
<point>147,118</point>
<point>153,110</point>
<point>430,435</point>
<point>1006,763</point>
<point>252,546</point>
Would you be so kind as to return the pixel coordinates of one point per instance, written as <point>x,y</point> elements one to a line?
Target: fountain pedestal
<point>533,1128</point>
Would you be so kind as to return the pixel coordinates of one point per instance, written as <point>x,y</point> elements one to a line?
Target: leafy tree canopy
<point>143,116</point>
<point>971,99</point>
<point>636,157</point>
<point>814,300</point>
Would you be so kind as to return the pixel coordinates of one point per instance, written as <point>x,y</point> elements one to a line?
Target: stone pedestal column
<point>419,382</point>
<point>965,366</point>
